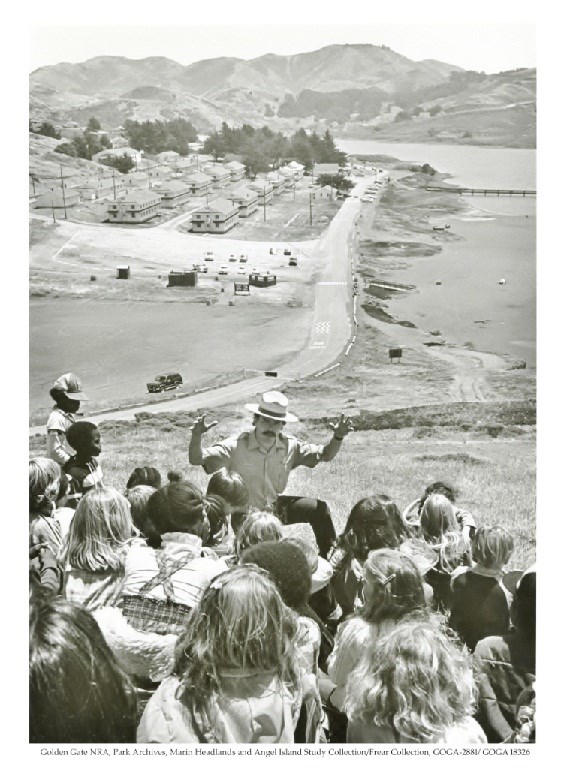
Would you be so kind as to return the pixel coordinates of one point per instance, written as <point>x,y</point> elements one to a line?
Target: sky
<point>488,42</point>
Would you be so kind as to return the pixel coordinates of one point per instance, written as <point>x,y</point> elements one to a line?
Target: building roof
<point>296,165</point>
<point>140,196</point>
<point>117,152</point>
<point>219,170</point>
<point>198,178</point>
<point>261,186</point>
<point>246,195</point>
<point>137,175</point>
<point>235,165</point>
<point>175,187</point>
<point>275,177</point>
<point>222,205</point>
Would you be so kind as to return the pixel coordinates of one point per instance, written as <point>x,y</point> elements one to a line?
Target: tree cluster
<point>84,146</point>
<point>262,149</point>
<point>48,130</point>
<point>335,106</point>
<point>336,181</point>
<point>155,137</point>
<point>123,163</point>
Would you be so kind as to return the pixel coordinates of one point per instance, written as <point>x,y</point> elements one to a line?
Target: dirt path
<point>470,371</point>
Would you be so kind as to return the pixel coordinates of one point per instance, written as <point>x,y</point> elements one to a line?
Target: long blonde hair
<point>241,623</point>
<point>440,530</point>
<point>416,680</point>
<point>100,531</point>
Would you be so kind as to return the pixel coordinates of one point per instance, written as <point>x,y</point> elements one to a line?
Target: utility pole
<point>114,182</point>
<point>264,214</point>
<point>63,190</point>
<point>53,212</point>
<point>310,207</point>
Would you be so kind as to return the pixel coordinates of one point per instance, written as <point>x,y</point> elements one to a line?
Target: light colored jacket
<point>255,708</point>
<point>187,584</point>
<point>465,732</point>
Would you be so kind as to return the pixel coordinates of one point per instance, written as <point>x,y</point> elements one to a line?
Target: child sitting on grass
<point>416,685</point>
<point>44,527</point>
<point>373,523</point>
<point>101,534</point>
<point>230,486</point>
<point>392,589</point>
<point>412,513</point>
<point>83,467</point>
<point>440,530</point>
<point>138,497</point>
<point>236,676</point>
<point>480,605</point>
<point>258,527</point>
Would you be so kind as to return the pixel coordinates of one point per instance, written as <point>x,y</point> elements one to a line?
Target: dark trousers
<point>308,510</point>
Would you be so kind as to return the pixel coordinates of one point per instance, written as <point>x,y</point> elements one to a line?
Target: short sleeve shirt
<point>59,421</point>
<point>265,473</point>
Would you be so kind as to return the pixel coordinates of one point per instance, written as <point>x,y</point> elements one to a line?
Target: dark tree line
<point>155,137</point>
<point>263,149</point>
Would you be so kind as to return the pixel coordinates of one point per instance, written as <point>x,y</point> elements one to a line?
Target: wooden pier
<point>480,191</point>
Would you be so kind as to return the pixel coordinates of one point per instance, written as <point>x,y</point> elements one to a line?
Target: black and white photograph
<point>282,408</point>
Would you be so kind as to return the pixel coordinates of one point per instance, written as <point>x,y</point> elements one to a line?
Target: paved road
<point>332,320</point>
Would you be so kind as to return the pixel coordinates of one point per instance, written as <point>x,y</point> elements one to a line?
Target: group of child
<point>167,615</point>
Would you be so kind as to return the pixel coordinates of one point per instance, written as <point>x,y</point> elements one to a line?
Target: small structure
<point>137,179</point>
<point>137,207</point>
<point>199,183</point>
<point>55,199</point>
<point>167,157</point>
<point>262,279</point>
<point>277,181</point>
<point>183,278</point>
<point>159,173</point>
<point>241,288</point>
<point>264,191</point>
<point>123,271</point>
<point>246,200</point>
<point>220,175</point>
<point>297,168</point>
<point>219,216</point>
<point>395,353</point>
<point>118,152</point>
<point>289,176</point>
<point>119,142</point>
<point>237,170</point>
<point>173,193</point>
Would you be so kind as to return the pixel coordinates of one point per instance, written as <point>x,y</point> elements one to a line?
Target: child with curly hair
<point>392,589</point>
<point>235,678</point>
<point>415,685</point>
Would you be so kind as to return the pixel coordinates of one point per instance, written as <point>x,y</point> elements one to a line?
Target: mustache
<point>270,433</point>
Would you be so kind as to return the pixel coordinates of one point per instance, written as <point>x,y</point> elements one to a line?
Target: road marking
<point>331,283</point>
<point>318,344</point>
<point>322,326</point>
<point>64,246</point>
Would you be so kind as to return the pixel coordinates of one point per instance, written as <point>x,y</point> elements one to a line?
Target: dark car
<point>165,382</point>
<point>287,252</point>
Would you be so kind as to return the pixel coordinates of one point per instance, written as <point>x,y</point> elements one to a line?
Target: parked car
<point>293,262</point>
<point>287,252</point>
<point>256,270</point>
<point>243,257</point>
<point>232,258</point>
<point>223,270</point>
<point>202,268</point>
<point>209,256</point>
<point>165,382</point>
<point>242,271</point>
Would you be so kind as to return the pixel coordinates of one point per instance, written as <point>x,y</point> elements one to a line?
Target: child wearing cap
<point>83,467</point>
<point>67,394</point>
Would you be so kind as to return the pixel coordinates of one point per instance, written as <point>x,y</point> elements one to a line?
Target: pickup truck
<point>293,262</point>
<point>165,382</point>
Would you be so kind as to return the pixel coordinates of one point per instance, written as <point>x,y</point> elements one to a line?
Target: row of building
<point>217,216</point>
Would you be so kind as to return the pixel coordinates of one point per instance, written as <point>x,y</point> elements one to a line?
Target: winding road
<point>332,322</point>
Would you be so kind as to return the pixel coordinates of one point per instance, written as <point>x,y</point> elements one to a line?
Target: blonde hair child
<point>258,527</point>
<point>236,677</point>
<point>392,588</point>
<point>100,535</point>
<point>415,685</point>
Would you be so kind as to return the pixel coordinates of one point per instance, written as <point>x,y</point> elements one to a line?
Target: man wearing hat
<point>67,394</point>
<point>264,458</point>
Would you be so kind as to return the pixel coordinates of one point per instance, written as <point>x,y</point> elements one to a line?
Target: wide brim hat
<point>273,405</point>
<point>70,385</point>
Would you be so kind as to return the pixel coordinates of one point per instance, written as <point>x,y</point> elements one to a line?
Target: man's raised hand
<point>201,425</point>
<point>343,427</point>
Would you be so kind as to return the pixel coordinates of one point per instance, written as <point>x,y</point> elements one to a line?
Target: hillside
<point>356,86</point>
